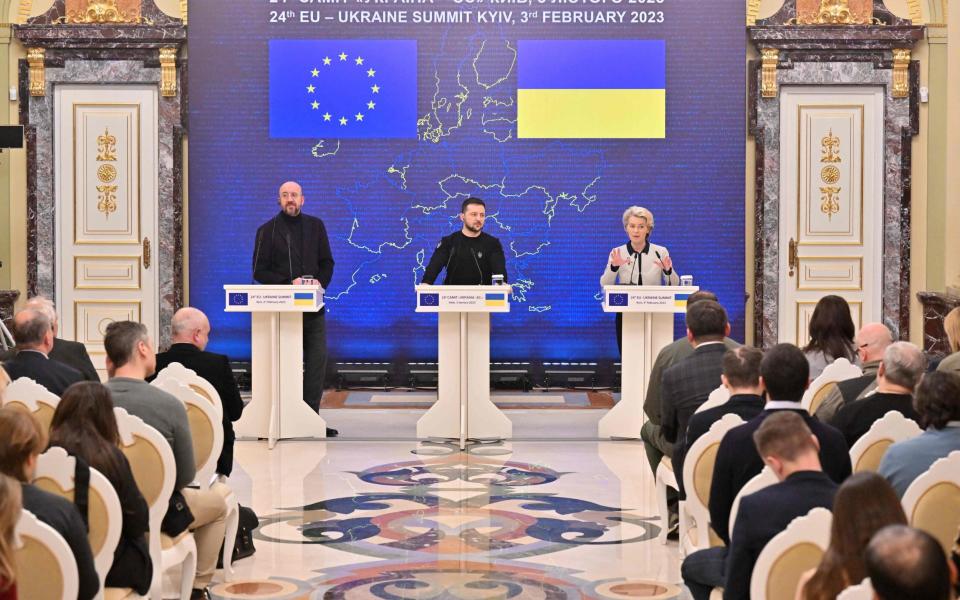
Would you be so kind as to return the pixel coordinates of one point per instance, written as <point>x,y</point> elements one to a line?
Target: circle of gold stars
<point>344,119</point>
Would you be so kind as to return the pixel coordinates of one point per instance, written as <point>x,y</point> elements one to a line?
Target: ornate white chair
<point>757,483</point>
<point>695,531</point>
<point>46,569</point>
<point>196,383</point>
<point>664,479</point>
<point>789,555</point>
<point>839,370</point>
<point>716,398</point>
<point>932,502</point>
<point>861,591</point>
<point>866,453</point>
<point>154,469</point>
<point>32,397</point>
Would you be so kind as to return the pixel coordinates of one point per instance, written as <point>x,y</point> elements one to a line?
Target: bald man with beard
<point>871,341</point>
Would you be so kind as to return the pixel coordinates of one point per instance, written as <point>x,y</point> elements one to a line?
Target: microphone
<point>633,267</point>
<point>661,262</point>
<point>476,262</point>
<point>256,256</point>
<point>286,236</point>
<point>453,251</point>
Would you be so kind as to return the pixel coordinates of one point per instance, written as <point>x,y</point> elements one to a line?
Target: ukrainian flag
<point>303,299</point>
<point>680,300</point>
<point>591,89</point>
<point>496,299</point>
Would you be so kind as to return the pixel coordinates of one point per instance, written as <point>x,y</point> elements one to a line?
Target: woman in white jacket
<point>638,262</point>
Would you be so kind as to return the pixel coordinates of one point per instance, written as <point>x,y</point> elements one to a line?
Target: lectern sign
<point>646,298</point>
<point>273,298</point>
<point>463,298</point>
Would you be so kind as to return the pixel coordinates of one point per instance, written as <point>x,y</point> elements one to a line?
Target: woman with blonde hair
<point>10,506</point>
<point>951,324</point>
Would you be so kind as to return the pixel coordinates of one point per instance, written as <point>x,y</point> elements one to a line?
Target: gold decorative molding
<point>168,71</point>
<point>830,174</point>
<point>833,12</point>
<point>38,78</point>
<point>830,201</point>
<point>768,75</point>
<point>106,146</point>
<point>901,75</point>
<point>829,148</point>
<point>107,201</point>
<point>26,7</point>
<point>101,11</point>
<point>753,9</point>
<point>183,11</point>
<point>916,12</point>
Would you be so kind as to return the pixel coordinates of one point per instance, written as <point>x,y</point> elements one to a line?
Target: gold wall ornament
<point>38,78</point>
<point>107,201</point>
<point>768,75</point>
<point>901,73</point>
<point>183,11</point>
<point>834,12</point>
<point>106,146</point>
<point>107,173</point>
<point>830,148</point>
<point>168,71</point>
<point>26,7</point>
<point>829,201</point>
<point>830,174</point>
<point>102,11</point>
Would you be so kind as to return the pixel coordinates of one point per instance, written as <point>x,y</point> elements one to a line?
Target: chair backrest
<point>789,555</point>
<point>206,427</point>
<point>932,502</point>
<point>196,383</point>
<point>839,370</point>
<point>29,395</point>
<point>757,483</point>
<point>866,453</point>
<point>698,468</point>
<point>861,591</point>
<point>46,569</point>
<point>716,398</point>
<point>55,474</point>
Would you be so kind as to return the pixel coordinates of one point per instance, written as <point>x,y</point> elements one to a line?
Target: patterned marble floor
<point>407,520</point>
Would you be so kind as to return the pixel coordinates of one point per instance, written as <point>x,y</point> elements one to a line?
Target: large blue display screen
<point>391,113</point>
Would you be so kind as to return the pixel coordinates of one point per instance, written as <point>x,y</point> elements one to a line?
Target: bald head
<point>190,326</point>
<point>290,198</point>
<point>872,340</point>
<point>44,305</point>
<point>33,331</point>
<point>903,562</point>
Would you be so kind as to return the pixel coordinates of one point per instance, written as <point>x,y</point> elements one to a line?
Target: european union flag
<point>618,299</point>
<point>343,88</point>
<point>238,299</point>
<point>429,299</point>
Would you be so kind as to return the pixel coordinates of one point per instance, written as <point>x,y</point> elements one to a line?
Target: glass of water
<point>686,280</point>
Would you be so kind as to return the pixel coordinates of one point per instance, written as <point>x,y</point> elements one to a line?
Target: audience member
<point>902,367</point>
<point>654,443</point>
<point>791,451</point>
<point>784,374</point>
<point>10,507</point>
<point>34,334</point>
<point>937,400</point>
<point>190,333</point>
<point>84,425</point>
<point>831,335</point>
<point>907,564</point>
<point>22,442</point>
<point>871,341</point>
<point>73,354</point>
<point>865,504</point>
<point>951,324</point>
<point>130,360</point>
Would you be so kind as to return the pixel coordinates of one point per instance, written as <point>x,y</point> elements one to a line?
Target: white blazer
<point>640,272</point>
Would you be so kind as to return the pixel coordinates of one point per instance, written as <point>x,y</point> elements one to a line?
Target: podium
<point>647,327</point>
<point>463,409</point>
<point>277,410</point>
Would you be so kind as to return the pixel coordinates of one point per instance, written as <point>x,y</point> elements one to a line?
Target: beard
<point>291,210</point>
<point>476,228</point>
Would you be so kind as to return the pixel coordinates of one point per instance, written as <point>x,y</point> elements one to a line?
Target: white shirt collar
<point>953,423</point>
<point>707,344</point>
<point>783,405</point>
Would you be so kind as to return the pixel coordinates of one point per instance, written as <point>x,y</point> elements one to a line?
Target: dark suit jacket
<point>766,513</point>
<point>74,354</point>
<point>856,418</point>
<point>53,375</point>
<point>738,462</point>
<point>215,368</point>
<point>745,406</point>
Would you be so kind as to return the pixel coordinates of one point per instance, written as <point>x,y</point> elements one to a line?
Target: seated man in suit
<point>903,562</point>
<point>70,353</point>
<point>901,369</point>
<point>34,334</point>
<point>871,341</point>
<point>190,332</point>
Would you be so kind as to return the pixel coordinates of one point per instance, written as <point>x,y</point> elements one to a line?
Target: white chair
<point>716,398</point>
<point>34,398</point>
<point>695,531</point>
<point>206,431</point>
<point>789,555</point>
<point>893,427</point>
<point>664,479</point>
<point>55,474</point>
<point>154,469</point>
<point>757,483</point>
<point>196,383</point>
<point>932,502</point>
<point>861,591</point>
<point>839,370</point>
<point>46,569</point>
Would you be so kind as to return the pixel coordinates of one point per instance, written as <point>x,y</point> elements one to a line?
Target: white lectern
<point>277,410</point>
<point>647,327</point>
<point>463,409</point>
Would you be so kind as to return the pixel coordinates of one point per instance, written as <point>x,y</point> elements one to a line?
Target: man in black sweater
<point>470,256</point>
<point>292,248</point>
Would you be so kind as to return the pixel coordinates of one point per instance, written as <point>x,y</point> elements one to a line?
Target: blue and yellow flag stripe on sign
<point>496,299</point>
<point>680,300</point>
<point>591,89</point>
<point>303,298</point>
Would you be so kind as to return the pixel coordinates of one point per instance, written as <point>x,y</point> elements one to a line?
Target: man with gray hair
<point>900,371</point>
<point>906,563</point>
<point>34,334</point>
<point>871,342</point>
<point>73,354</point>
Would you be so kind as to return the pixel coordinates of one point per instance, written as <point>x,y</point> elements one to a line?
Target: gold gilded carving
<point>103,11</point>
<point>768,75</point>
<point>183,11</point>
<point>829,201</point>
<point>107,202</point>
<point>830,148</point>
<point>901,76</point>
<point>106,173</point>
<point>26,7</point>
<point>830,174</point>
<point>168,71</point>
<point>38,78</point>
<point>106,146</point>
<point>834,12</point>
